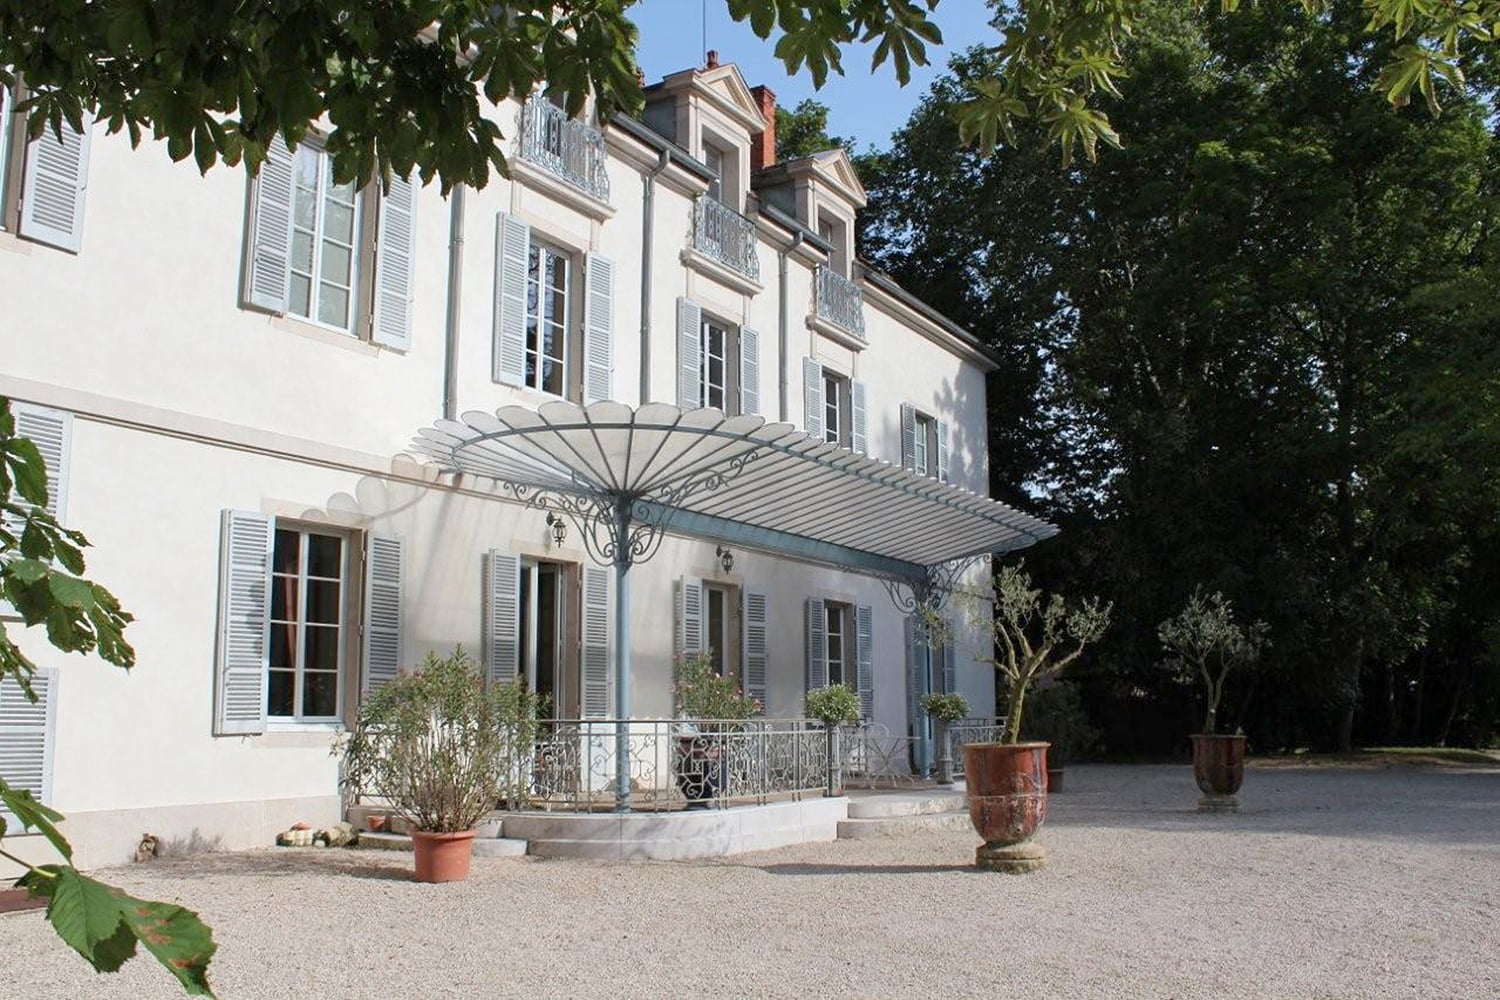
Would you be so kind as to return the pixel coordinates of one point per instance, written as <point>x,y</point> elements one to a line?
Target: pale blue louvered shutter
<point>598,328</point>
<point>864,658</point>
<point>817,644</point>
<point>268,262</point>
<point>812,398</point>
<point>52,433</point>
<point>689,616</point>
<point>860,415</point>
<point>950,658</point>
<point>756,619</point>
<point>502,616</point>
<point>395,265</point>
<point>749,370</point>
<point>384,580</point>
<point>512,252</point>
<point>913,633</point>
<point>689,350</point>
<point>908,437</point>
<point>52,188</point>
<point>942,451</point>
<point>244,623</point>
<point>27,733</point>
<point>596,654</point>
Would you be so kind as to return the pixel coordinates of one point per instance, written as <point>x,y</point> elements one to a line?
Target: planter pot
<point>442,857</point>
<point>945,753</point>
<point>1007,786</point>
<point>1054,780</point>
<point>376,822</point>
<point>1219,768</point>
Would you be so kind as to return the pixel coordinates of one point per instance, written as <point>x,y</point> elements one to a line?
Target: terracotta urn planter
<point>1007,784</point>
<point>443,857</point>
<point>1219,768</point>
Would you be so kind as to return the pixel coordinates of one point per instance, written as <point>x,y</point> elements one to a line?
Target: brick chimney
<point>763,146</point>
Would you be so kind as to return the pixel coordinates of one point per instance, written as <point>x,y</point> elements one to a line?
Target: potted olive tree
<point>1055,716</point>
<point>834,706</point>
<point>1034,637</point>
<point>442,748</point>
<point>1204,641</point>
<point>944,710</point>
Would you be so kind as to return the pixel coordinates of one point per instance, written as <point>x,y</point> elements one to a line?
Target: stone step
<point>888,805</point>
<point>484,847</point>
<point>903,826</point>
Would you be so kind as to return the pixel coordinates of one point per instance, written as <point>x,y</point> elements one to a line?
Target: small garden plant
<point>945,708</point>
<point>701,693</point>
<point>1205,641</point>
<point>440,745</point>
<point>835,705</point>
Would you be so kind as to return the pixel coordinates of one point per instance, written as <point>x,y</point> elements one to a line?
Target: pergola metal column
<point>623,563</point>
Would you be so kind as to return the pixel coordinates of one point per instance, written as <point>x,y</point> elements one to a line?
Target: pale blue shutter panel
<point>861,417</point>
<point>817,644</point>
<point>598,328</point>
<point>384,581</point>
<point>502,616</point>
<point>596,655</point>
<point>52,433</point>
<point>908,437</point>
<point>756,618</point>
<point>749,370</point>
<point>812,398</point>
<point>864,658</point>
<point>56,174</point>
<point>27,734</point>
<point>950,659</point>
<point>395,265</point>
<point>244,623</point>
<point>689,616</point>
<point>942,451</point>
<point>269,259</point>
<point>512,252</point>
<point>689,348</point>
<point>913,633</point>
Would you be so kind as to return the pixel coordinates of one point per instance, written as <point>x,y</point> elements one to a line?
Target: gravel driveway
<point>1330,883</point>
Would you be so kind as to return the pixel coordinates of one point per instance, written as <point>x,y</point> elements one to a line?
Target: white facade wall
<point>185,404</point>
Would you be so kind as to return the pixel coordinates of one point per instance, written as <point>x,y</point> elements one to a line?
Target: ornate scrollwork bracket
<point>930,591</point>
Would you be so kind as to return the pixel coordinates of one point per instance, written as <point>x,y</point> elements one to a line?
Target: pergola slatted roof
<point>698,471</point>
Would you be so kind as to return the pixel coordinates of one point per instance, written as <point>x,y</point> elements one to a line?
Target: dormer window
<point>713,157</point>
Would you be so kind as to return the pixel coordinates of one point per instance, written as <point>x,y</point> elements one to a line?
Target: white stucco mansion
<point>227,375</point>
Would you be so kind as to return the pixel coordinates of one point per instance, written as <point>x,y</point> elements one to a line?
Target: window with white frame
<point>309,624</point>
<point>549,319</point>
<point>840,645</point>
<point>924,443</point>
<point>326,242</point>
<point>713,158</point>
<point>717,622</point>
<point>719,365</point>
<point>837,412</point>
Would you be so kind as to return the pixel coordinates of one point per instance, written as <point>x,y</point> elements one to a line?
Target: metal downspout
<point>648,226</point>
<point>781,324</point>
<point>455,288</point>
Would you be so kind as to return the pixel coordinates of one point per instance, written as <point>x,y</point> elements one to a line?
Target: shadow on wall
<point>178,847</point>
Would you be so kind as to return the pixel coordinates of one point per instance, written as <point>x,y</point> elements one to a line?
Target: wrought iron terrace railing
<point>976,730</point>
<point>873,757</point>
<point>672,764</point>
<point>726,236</point>
<point>840,302</point>
<point>571,150</point>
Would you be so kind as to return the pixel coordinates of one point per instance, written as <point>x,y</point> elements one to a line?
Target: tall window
<point>714,364</point>
<point>717,625</point>
<point>309,577</point>
<point>325,238</point>
<point>541,635</point>
<point>713,158</point>
<point>922,445</point>
<point>837,418</point>
<point>840,669</point>
<point>548,319</point>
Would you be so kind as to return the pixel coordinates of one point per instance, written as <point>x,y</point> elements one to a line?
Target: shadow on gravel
<point>289,862</point>
<point>812,869</point>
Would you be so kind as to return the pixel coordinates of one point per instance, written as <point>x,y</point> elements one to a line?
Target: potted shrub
<point>1204,641</point>
<point>1056,717</point>
<point>834,706</point>
<point>442,748</point>
<point>710,707</point>
<point>944,710</point>
<point>1034,638</point>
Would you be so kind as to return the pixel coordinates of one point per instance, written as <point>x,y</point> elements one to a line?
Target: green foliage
<point>803,131</point>
<point>98,921</point>
<point>700,693</point>
<point>440,745</point>
<point>950,707</point>
<point>1055,715</point>
<point>835,705</point>
<point>1205,641</point>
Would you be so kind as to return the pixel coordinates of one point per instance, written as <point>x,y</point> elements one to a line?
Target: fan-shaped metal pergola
<point>627,476</point>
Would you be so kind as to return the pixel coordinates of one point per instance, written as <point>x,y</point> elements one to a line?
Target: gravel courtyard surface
<point>1330,883</point>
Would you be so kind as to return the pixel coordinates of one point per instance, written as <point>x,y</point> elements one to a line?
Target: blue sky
<point>862,105</point>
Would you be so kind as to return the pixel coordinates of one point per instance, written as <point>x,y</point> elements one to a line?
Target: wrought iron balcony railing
<point>726,236</point>
<point>840,302</point>
<point>568,149</point>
